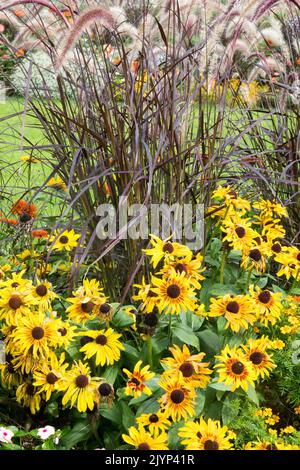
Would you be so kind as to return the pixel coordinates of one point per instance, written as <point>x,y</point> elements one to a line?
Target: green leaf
<point>251,392</point>
<point>230,410</point>
<point>200,401</point>
<point>128,418</point>
<point>111,373</point>
<point>263,281</point>
<point>112,413</point>
<point>221,289</point>
<point>149,406</point>
<point>186,335</point>
<point>210,341</point>
<point>80,432</point>
<point>121,319</point>
<point>220,386</point>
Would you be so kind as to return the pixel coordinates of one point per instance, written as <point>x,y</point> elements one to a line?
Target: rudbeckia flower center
<point>180,268</point>
<point>237,368</point>
<point>64,239</point>
<point>232,307</point>
<point>187,369</point>
<point>177,396</point>
<point>87,307</point>
<point>256,358</point>
<point>135,381</point>
<point>51,378</point>
<point>105,389</point>
<point>25,218</point>
<point>15,302</point>
<point>264,297</point>
<point>150,319</point>
<point>257,240</point>
<point>173,291</point>
<point>30,390</point>
<point>104,308</point>
<point>168,248</point>
<point>240,231</point>
<point>276,248</point>
<point>144,446</point>
<point>63,331</point>
<point>211,445</point>
<point>82,381</point>
<point>85,339</point>
<point>15,284</point>
<point>271,447</point>
<point>255,254</point>
<point>153,418</point>
<point>41,290</point>
<point>101,339</point>
<point>37,332</point>
<point>298,257</point>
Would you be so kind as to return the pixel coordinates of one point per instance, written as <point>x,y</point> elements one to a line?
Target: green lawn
<point>18,133</point>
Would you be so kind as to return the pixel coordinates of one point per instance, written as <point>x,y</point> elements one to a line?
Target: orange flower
<point>297,298</point>
<point>9,221</point>
<point>20,52</point>
<point>39,234</point>
<point>22,207</point>
<point>19,13</point>
<point>298,61</point>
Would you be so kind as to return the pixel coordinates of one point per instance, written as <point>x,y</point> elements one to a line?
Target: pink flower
<point>6,435</point>
<point>46,432</point>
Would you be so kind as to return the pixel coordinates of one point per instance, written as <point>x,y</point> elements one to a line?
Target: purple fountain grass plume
<point>265,6</point>
<point>90,16</point>
<point>43,3</point>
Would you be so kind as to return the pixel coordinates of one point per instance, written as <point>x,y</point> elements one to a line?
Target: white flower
<point>6,435</point>
<point>46,432</point>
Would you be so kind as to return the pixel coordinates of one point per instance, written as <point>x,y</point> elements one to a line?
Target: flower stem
<point>150,351</point>
<point>222,266</point>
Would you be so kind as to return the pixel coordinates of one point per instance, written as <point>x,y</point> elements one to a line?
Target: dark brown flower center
<point>173,291</point>
<point>276,248</point>
<point>87,307</point>
<point>63,331</point>
<point>15,302</point>
<point>153,418</point>
<point>237,368</point>
<point>264,297</point>
<point>168,248</point>
<point>104,308</point>
<point>255,254</point>
<point>30,390</point>
<point>105,389</point>
<point>101,339</point>
<point>41,290</point>
<point>135,381</point>
<point>15,284</point>
<point>64,240</point>
<point>177,396</point>
<point>143,446</point>
<point>187,369</point>
<point>232,307</point>
<point>37,332</point>
<point>240,231</point>
<point>151,293</point>
<point>180,268</point>
<point>257,240</point>
<point>81,381</point>
<point>256,358</point>
<point>211,445</point>
<point>298,257</point>
<point>25,218</point>
<point>51,378</point>
<point>85,339</point>
<point>150,319</point>
<point>271,447</point>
